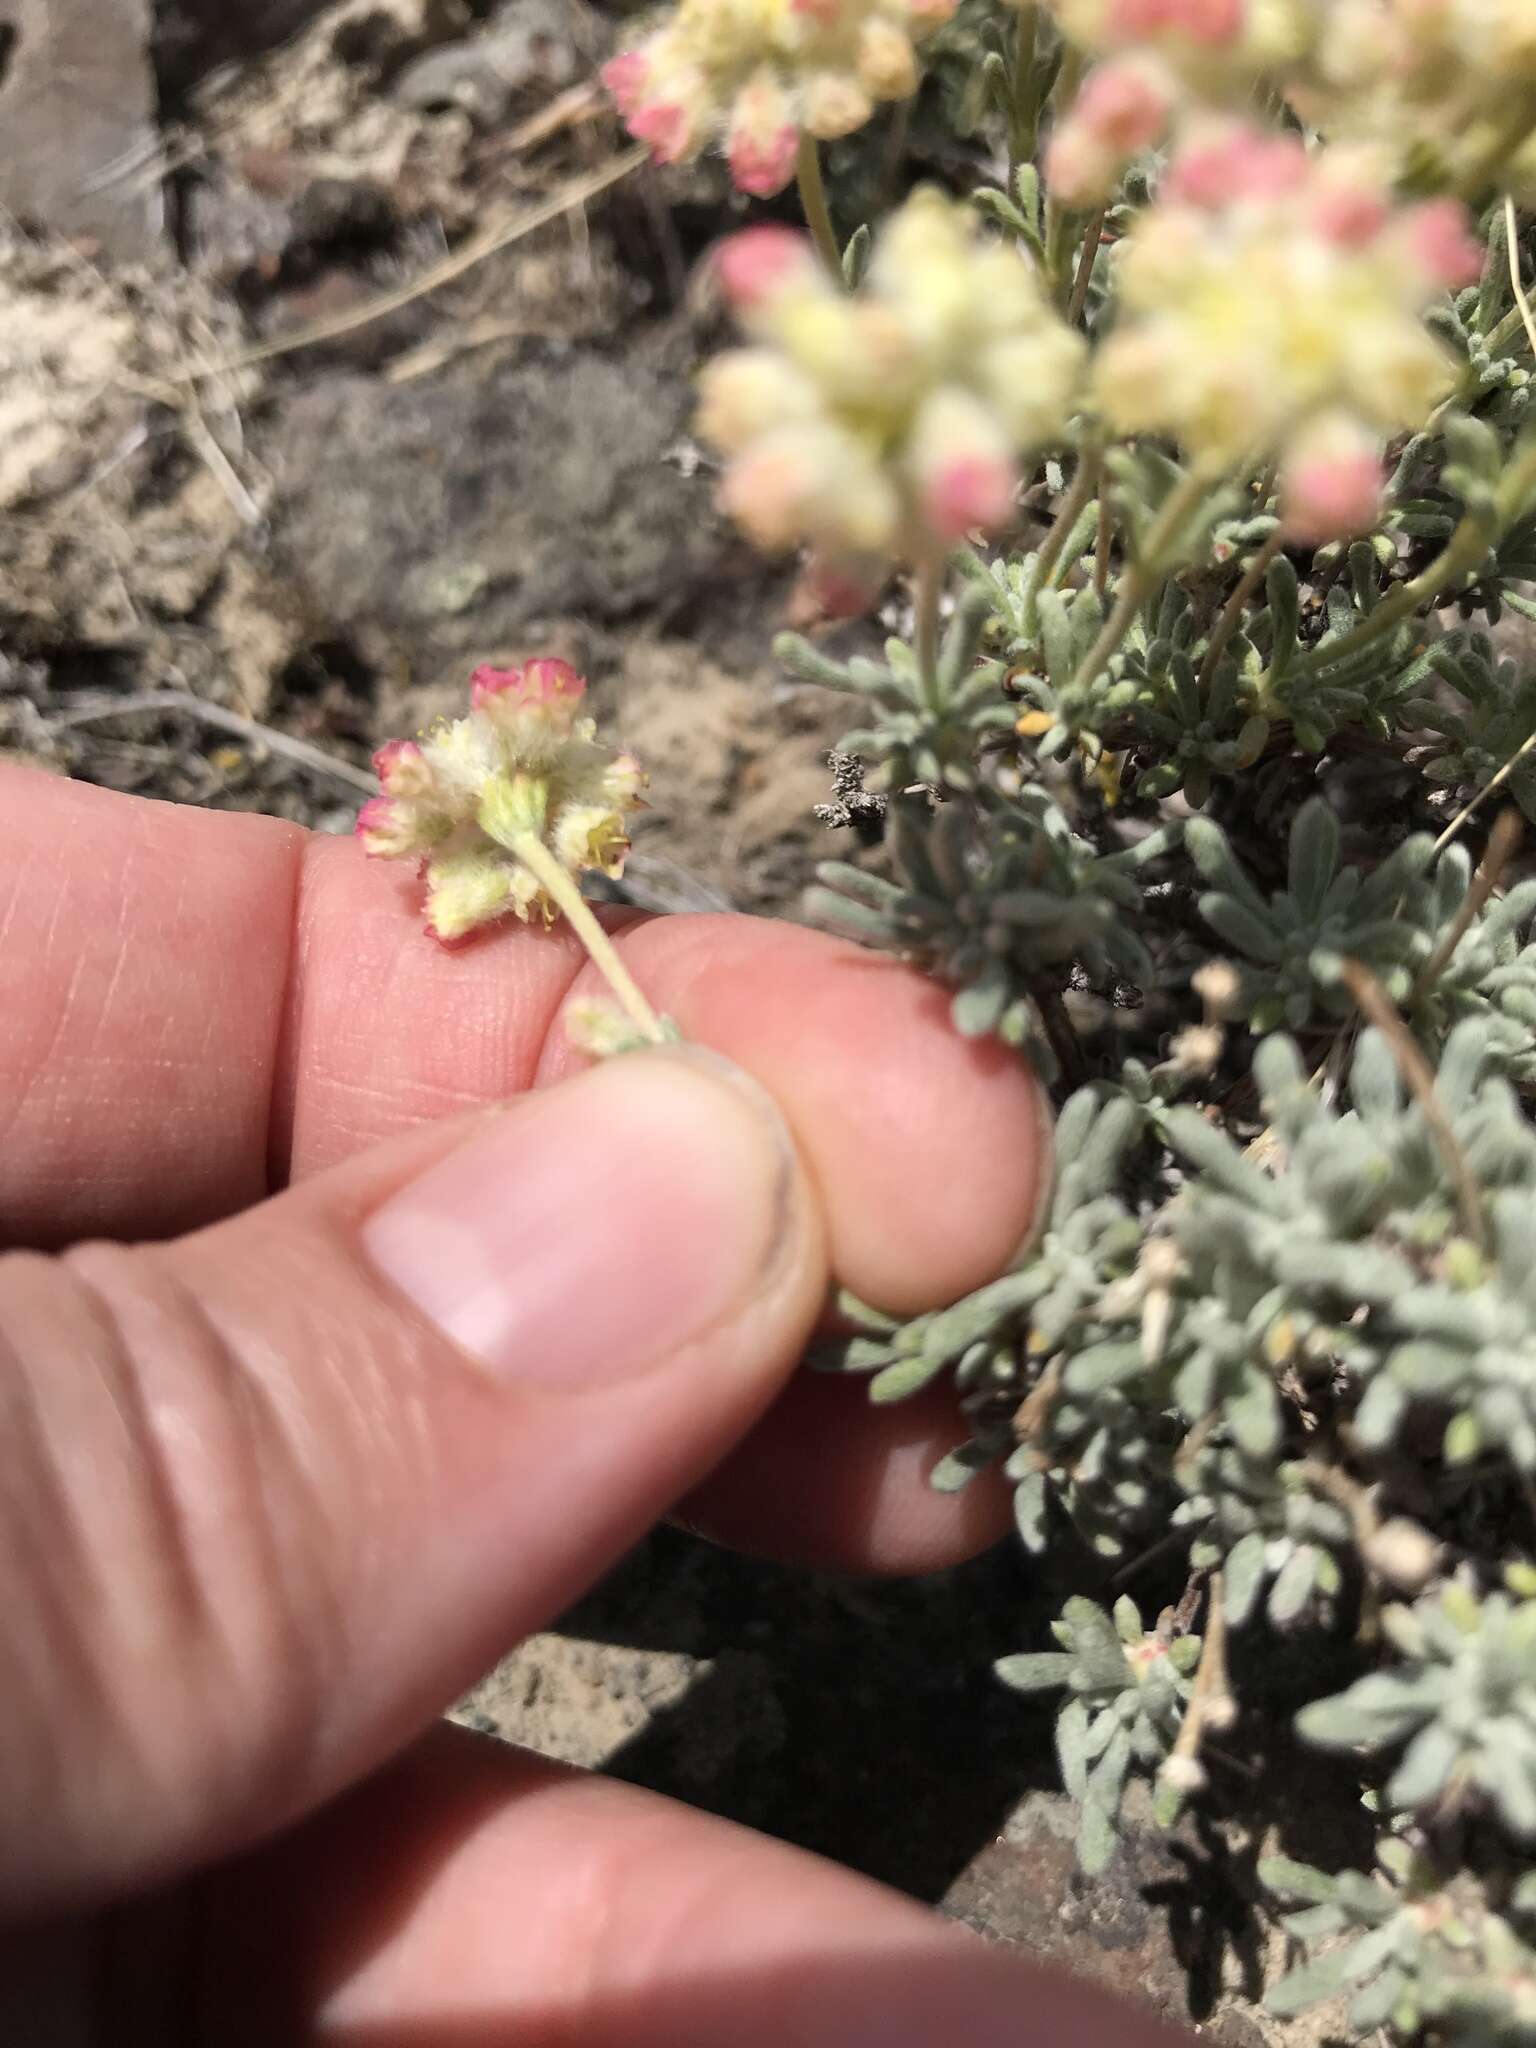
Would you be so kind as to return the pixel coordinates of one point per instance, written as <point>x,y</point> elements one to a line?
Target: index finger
<point>196,1007</point>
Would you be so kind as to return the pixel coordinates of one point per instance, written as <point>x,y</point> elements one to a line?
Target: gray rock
<point>77,110</point>
<point>452,514</point>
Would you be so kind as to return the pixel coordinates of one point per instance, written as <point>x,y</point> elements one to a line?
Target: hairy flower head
<point>1270,290</point>
<point>876,423</point>
<point>525,762</point>
<point>759,74</point>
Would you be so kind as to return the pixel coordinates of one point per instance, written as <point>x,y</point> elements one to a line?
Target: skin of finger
<point>142,1048</point>
<point>264,1523</point>
<point>182,993</point>
<point>509,1899</point>
<point>826,1480</point>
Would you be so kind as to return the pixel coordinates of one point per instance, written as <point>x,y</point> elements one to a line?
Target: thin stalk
<point>1103,542</point>
<point>1488,789</point>
<point>1522,303</point>
<point>1378,1008</point>
<point>1210,1703</point>
<point>540,862</point>
<point>1093,235</point>
<point>1139,578</point>
<point>813,204</point>
<point>927,596</point>
<point>1023,116</point>
<point>1503,840</point>
<point>1232,611</point>
<point>1072,508</point>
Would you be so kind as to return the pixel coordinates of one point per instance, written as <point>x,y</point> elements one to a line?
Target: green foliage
<point>1127,1689</point>
<point>1198,814</point>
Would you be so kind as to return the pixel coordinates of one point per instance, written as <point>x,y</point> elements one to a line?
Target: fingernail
<point>591,1231</point>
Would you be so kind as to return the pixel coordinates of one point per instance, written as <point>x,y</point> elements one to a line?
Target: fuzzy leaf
<point>1034,1671</point>
<point>1323,1978</point>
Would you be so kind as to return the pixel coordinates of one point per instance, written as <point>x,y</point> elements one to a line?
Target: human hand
<point>282,1482</point>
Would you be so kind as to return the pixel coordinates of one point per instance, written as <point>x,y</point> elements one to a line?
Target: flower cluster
<point>1453,79</point>
<point>762,73</point>
<point>1162,56</point>
<point>885,421</point>
<point>1273,303</point>
<point>487,802</point>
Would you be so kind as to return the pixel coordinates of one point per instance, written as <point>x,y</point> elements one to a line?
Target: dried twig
<point>161,703</point>
<point>495,236</point>
<point>1377,1006</point>
<point>1475,803</point>
<point>1503,840</point>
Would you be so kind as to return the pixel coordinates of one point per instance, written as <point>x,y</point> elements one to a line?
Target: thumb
<point>277,1492</point>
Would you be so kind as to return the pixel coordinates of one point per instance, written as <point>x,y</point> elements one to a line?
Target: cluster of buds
<point>888,421</point>
<point>762,73</point>
<point>524,774</point>
<point>1273,303</point>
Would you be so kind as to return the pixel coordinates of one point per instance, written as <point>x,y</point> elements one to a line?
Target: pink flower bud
<point>1441,244</point>
<point>1079,170</point>
<point>548,681</point>
<point>666,126</point>
<point>763,139</point>
<point>760,263</point>
<point>968,491</point>
<point>385,829</point>
<point>487,684</point>
<point>403,769</point>
<point>1350,216</point>
<point>1331,482</point>
<point>625,77</point>
<point>1124,106</point>
<point>1221,170</point>
<point>824,11</point>
<point>1210,22</point>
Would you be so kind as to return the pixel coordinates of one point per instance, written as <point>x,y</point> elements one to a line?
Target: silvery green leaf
<point>1244,1576</point>
<point>1314,854</point>
<point>1097,1839</point>
<point>906,1377</point>
<point>1380,1414</point>
<point>1031,1503</point>
<point>1252,934</point>
<point>1313,1922</point>
<point>960,1467</point>
<point>1073,1748</point>
<point>1253,1415</point>
<point>1372,2007</point>
<point>1291,1880</point>
<point>1310,1985</point>
<point>1034,1671</point>
<point>1374,1712</point>
<point>1426,1767</point>
<point>1293,1586</point>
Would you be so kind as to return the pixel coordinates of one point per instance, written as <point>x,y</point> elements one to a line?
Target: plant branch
<point>180,702</point>
<point>1093,236</point>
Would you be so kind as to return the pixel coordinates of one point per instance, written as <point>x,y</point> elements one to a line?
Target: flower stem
<point>1072,507</point>
<point>930,591</point>
<point>1137,583</point>
<point>553,878</point>
<point>1232,613</point>
<point>813,204</point>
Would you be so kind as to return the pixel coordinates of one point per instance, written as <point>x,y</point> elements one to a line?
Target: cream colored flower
<point>758,74</point>
<point>884,422</point>
<point>524,763</point>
